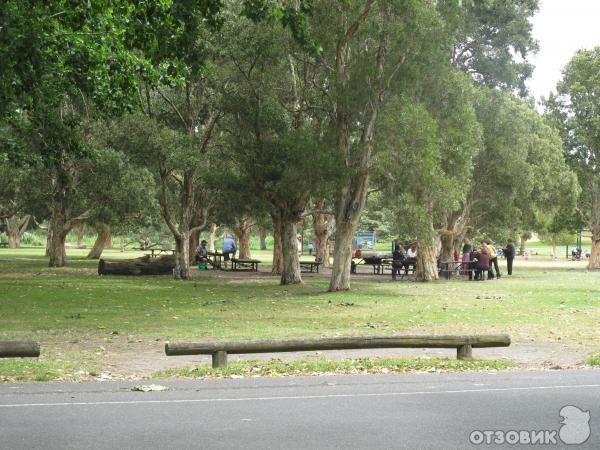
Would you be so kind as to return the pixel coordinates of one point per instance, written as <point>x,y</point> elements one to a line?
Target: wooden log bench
<point>19,349</point>
<point>245,264</point>
<point>309,266</point>
<point>220,349</point>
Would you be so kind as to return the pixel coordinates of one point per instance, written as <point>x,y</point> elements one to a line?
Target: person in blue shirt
<point>229,249</point>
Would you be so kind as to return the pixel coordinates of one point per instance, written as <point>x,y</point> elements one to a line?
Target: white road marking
<point>300,397</point>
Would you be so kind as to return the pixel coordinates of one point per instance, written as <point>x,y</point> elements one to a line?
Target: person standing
<point>509,253</point>
<point>397,261</point>
<point>228,250</point>
<point>493,258</point>
<point>467,251</point>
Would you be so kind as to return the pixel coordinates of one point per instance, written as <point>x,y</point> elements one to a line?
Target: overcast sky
<point>561,27</point>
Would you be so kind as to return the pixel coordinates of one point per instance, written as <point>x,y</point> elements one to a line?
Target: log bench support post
<point>19,349</point>
<point>219,360</point>
<point>464,352</point>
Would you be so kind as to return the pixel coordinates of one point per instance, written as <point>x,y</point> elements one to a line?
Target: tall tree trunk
<point>58,225</point>
<point>243,232</point>
<point>522,247</point>
<point>213,236</point>
<point>15,227</point>
<point>277,245</point>
<point>349,205</point>
<point>426,263</point>
<point>447,240</point>
<point>48,238</point>
<point>291,266</point>
<point>594,262</point>
<point>554,254</point>
<point>182,258</point>
<point>323,225</point>
<point>102,240</point>
<point>262,235</point>
<point>194,243</point>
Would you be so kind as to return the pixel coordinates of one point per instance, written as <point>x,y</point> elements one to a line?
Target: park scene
<point>299,224</point>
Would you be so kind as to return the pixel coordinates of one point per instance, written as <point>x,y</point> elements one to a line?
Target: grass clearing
<point>87,319</point>
<point>321,366</point>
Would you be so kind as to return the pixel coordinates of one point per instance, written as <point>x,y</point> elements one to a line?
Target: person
<point>202,255</point>
<point>411,259</point>
<point>493,259</point>
<point>299,244</point>
<point>311,248</point>
<point>483,264</point>
<point>467,251</point>
<point>397,261</point>
<point>229,249</point>
<point>509,253</point>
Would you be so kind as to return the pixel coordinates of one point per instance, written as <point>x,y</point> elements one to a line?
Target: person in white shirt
<point>411,259</point>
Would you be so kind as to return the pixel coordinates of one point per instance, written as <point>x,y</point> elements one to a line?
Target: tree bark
<point>15,227</point>
<point>80,233</point>
<point>426,263</point>
<point>523,245</point>
<point>182,260</point>
<point>104,235</point>
<point>594,262</point>
<point>243,232</point>
<point>447,240</point>
<point>349,206</point>
<point>263,238</point>
<point>59,234</point>
<point>194,243</point>
<point>291,266</point>
<point>212,238</point>
<point>277,245</point>
<point>323,225</point>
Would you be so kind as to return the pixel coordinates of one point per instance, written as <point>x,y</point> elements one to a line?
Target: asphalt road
<point>388,411</point>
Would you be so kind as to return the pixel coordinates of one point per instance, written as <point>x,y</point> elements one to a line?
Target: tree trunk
<point>80,233</point>
<point>277,245</point>
<point>349,205</point>
<point>213,235</point>
<point>58,225</point>
<point>323,225</point>
<point>140,266</point>
<point>194,243</point>
<point>243,232</point>
<point>342,256</point>
<point>291,266</point>
<point>48,239</point>
<point>182,259</point>
<point>109,242</point>
<point>15,227</point>
<point>554,255</point>
<point>263,238</point>
<point>594,262</point>
<point>122,243</point>
<point>523,245</point>
<point>104,236</point>
<point>426,263</point>
<point>447,241</point>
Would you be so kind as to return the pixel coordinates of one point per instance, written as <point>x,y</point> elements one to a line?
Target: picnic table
<point>379,263</point>
<point>447,268</point>
<point>4,244</point>
<point>245,264</point>
<point>154,252</point>
<point>217,259</point>
<point>308,266</point>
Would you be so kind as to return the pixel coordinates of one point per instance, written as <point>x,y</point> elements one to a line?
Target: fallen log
<point>19,349</point>
<point>139,266</point>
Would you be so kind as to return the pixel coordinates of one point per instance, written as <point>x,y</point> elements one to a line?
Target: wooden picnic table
<point>447,268</point>
<point>308,266</point>
<point>240,265</point>
<point>154,252</point>
<point>217,259</point>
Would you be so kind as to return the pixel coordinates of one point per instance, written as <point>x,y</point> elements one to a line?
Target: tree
<point>575,110</point>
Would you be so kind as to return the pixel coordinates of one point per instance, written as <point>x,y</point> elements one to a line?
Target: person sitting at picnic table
<point>202,255</point>
<point>482,265</point>
<point>411,258</point>
<point>467,256</point>
<point>397,260</point>
<point>229,248</point>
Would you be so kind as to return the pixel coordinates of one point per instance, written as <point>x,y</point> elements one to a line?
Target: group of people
<point>485,259</point>
<point>403,259</point>
<point>228,250</point>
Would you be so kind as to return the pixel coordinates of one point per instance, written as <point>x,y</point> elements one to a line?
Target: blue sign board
<point>365,240</point>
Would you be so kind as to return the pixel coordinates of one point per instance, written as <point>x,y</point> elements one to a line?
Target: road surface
<point>365,411</point>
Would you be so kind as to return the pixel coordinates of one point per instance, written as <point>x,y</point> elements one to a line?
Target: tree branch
<point>174,107</point>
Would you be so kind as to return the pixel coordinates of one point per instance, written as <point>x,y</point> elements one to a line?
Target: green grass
<point>74,309</point>
<point>593,360</point>
<point>50,367</point>
<point>319,366</point>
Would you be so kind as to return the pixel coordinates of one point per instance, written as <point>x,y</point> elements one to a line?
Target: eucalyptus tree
<point>275,134</point>
<point>576,111</point>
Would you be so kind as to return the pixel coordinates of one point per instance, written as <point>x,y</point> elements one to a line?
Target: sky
<point>561,28</point>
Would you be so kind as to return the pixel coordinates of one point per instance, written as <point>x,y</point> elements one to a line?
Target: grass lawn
<point>80,317</point>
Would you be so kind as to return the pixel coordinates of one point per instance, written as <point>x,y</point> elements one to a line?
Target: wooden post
<point>464,352</point>
<point>219,360</point>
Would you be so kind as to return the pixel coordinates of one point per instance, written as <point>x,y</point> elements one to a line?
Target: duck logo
<point>575,427</point>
